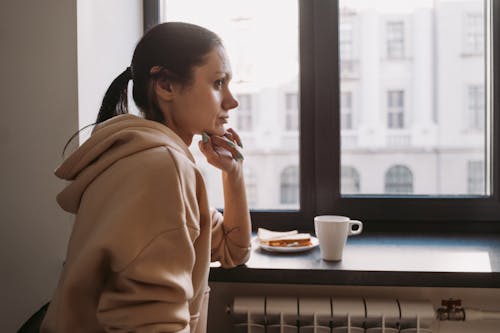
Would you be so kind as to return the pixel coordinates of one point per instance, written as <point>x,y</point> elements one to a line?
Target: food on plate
<point>283,238</point>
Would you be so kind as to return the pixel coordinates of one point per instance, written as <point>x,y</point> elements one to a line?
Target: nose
<point>230,102</point>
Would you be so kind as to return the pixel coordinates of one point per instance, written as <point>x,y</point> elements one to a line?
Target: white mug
<point>332,232</point>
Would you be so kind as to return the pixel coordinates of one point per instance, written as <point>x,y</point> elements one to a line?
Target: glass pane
<point>263,52</point>
<point>413,102</point>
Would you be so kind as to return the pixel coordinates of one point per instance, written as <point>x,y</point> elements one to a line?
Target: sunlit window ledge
<point>380,260</point>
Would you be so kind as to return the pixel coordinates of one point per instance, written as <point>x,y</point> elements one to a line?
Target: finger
<point>223,141</point>
<point>207,149</point>
<point>235,136</point>
<point>215,155</point>
<point>228,145</point>
<point>229,136</point>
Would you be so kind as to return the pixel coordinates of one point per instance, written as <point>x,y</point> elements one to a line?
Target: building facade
<point>412,107</point>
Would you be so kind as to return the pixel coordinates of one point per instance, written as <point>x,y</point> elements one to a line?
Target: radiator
<point>330,315</point>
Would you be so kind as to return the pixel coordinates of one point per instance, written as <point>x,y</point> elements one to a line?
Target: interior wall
<point>39,112</point>
<point>42,42</point>
<point>107,34</point>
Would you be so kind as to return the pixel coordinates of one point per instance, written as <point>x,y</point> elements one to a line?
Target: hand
<point>223,152</point>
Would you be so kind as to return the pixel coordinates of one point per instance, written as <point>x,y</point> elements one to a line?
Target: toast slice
<point>283,238</point>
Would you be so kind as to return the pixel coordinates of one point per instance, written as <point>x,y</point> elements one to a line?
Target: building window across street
<point>395,109</point>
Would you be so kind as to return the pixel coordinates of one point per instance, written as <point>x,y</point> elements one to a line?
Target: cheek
<point>215,95</point>
<point>207,105</point>
<point>207,99</point>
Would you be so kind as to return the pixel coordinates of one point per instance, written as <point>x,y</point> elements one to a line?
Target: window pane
<point>398,180</point>
<point>292,112</point>
<point>395,39</point>
<point>346,110</point>
<point>263,52</point>
<point>475,173</point>
<point>244,113</point>
<point>290,186</point>
<point>350,182</point>
<point>413,74</point>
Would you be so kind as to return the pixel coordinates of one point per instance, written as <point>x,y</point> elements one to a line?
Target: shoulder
<point>163,163</point>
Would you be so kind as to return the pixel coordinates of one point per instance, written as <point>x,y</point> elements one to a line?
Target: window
<point>347,48</point>
<point>251,187</point>
<point>475,177</point>
<point>244,112</point>
<point>474,33</point>
<point>350,183</point>
<point>395,109</point>
<point>395,40</point>
<point>345,42</point>
<point>475,107</point>
<point>264,57</point>
<point>346,110</point>
<point>411,131</point>
<point>418,185</point>
<point>398,180</point>
<point>291,112</point>
<point>289,193</point>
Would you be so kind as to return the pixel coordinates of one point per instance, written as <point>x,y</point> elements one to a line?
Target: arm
<point>151,294</point>
<point>236,214</point>
<point>150,248</point>
<point>223,154</point>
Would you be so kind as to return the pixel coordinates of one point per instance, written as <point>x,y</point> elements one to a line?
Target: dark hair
<point>176,48</point>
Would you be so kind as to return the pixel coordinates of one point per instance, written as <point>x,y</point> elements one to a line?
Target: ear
<point>164,89</point>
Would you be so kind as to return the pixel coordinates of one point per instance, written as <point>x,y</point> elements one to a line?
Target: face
<point>205,105</point>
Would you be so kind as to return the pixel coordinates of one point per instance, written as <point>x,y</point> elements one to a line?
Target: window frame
<point>319,88</point>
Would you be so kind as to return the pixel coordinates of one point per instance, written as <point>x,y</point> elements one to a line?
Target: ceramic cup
<point>332,232</point>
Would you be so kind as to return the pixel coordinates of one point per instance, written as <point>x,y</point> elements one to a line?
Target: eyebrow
<point>228,75</point>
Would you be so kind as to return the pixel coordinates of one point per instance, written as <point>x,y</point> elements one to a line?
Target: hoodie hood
<point>112,140</point>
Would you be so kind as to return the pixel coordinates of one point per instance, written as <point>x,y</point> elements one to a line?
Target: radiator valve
<point>451,310</point>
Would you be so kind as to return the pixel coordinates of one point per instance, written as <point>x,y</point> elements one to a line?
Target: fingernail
<point>204,137</point>
<point>239,156</point>
<point>240,144</point>
<point>230,144</point>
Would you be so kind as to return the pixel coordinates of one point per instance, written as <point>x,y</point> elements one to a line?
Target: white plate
<point>285,249</point>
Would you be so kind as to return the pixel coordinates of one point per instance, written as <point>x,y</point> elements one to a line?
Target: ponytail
<point>114,101</point>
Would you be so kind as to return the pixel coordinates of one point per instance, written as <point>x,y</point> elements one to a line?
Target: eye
<point>219,83</point>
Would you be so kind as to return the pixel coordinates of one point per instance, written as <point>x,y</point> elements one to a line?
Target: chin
<point>219,131</point>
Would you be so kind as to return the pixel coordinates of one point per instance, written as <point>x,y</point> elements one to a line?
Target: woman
<point>139,253</point>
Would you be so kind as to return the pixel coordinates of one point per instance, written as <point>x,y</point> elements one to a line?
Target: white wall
<point>107,34</point>
<point>39,90</point>
<point>39,112</point>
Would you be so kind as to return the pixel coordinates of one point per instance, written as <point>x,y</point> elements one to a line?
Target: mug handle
<point>360,227</point>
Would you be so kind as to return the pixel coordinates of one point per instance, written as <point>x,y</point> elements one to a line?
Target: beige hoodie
<point>139,253</point>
